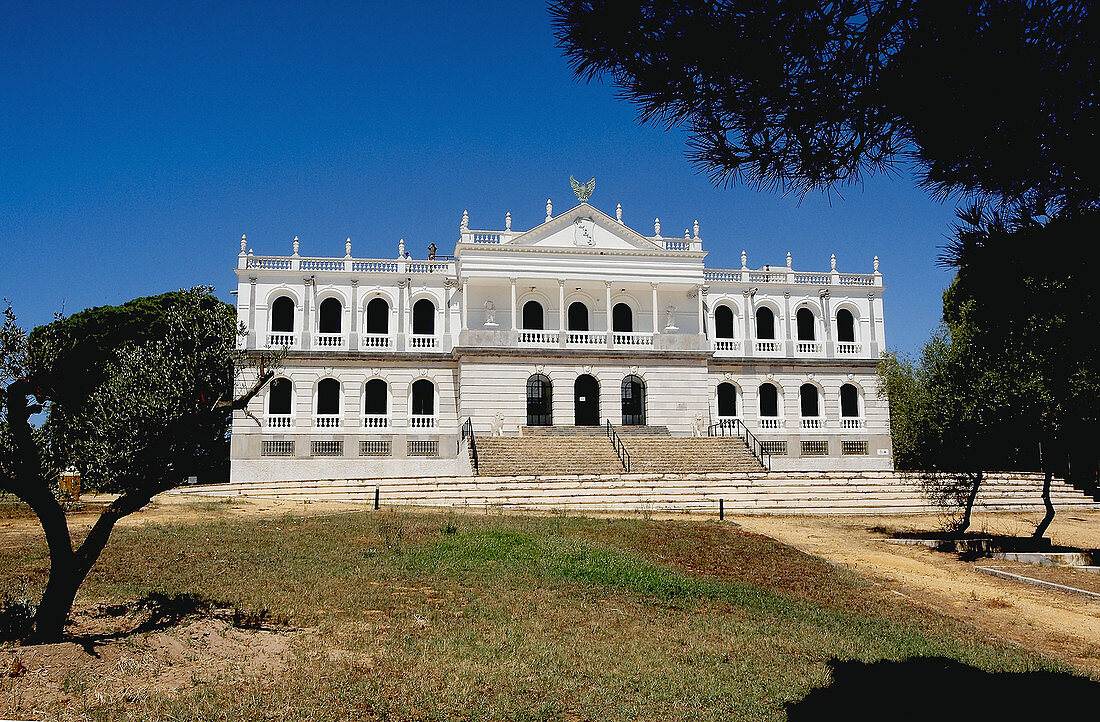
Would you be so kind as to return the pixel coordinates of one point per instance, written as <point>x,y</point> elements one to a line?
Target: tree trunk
<point>1041,530</point>
<point>971,497</point>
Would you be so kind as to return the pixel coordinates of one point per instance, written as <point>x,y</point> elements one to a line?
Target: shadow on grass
<point>937,688</point>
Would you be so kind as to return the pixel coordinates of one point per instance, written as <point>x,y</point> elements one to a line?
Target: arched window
<point>279,397</point>
<point>423,398</point>
<point>376,398</point>
<point>578,316</point>
<point>769,400</point>
<point>424,318</point>
<point>849,401</point>
<point>765,323</point>
<point>845,326</point>
<point>328,397</point>
<point>330,313</point>
<point>622,318</point>
<point>539,401</point>
<point>806,322</point>
<point>532,316</point>
<point>633,398</point>
<point>378,315</point>
<point>727,400</point>
<point>282,315</point>
<point>808,401</point>
<point>723,322</point>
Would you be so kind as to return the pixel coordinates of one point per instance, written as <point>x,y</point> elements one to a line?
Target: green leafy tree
<point>996,99</point>
<point>141,418</point>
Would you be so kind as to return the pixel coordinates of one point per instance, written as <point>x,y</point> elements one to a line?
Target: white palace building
<point>581,321</point>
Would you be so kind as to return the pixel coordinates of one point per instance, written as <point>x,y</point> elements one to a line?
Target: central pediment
<point>585,227</point>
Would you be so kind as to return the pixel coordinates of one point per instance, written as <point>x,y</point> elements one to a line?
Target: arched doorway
<point>727,401</point>
<point>539,401</point>
<point>586,401</point>
<point>578,316</point>
<point>378,316</point>
<point>282,315</point>
<point>622,318</point>
<point>533,316</point>
<point>633,399</point>
<point>423,318</point>
<point>330,313</point>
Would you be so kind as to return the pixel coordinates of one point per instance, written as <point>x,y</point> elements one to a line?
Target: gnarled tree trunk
<point>976,483</point>
<point>1041,530</point>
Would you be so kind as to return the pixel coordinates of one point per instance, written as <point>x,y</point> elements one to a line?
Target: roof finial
<point>401,248</point>
<point>465,224</point>
<point>687,236</point>
<point>347,248</point>
<point>657,227</point>
<point>744,260</point>
<point>244,244</point>
<point>695,227</point>
<point>295,245</point>
<point>788,259</point>
<point>549,210</point>
<point>508,221</point>
<point>619,212</point>
<point>583,190</point>
<point>832,262</point>
<point>876,264</point>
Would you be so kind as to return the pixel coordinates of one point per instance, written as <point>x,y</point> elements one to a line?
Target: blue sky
<point>138,141</point>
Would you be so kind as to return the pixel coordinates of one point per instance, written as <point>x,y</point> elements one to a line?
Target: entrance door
<point>586,401</point>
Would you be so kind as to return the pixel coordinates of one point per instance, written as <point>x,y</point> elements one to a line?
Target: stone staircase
<point>565,450</point>
<point>834,492</point>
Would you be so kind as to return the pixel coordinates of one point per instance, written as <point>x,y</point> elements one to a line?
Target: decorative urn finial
<point>401,248</point>
<point>347,248</point>
<point>876,264</point>
<point>657,227</point>
<point>832,262</point>
<point>695,228</point>
<point>244,244</point>
<point>744,260</point>
<point>508,221</point>
<point>619,212</point>
<point>296,244</point>
<point>549,209</point>
<point>687,236</point>
<point>788,259</point>
<point>465,224</point>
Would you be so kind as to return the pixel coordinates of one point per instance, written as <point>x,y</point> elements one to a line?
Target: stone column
<point>252,338</point>
<point>656,321</point>
<point>465,295</point>
<point>306,313</point>
<point>703,290</point>
<point>353,337</point>
<point>788,337</point>
<point>513,305</point>
<point>826,316</point>
<point>607,311</point>
<point>399,339</point>
<point>750,323</point>
<point>873,345</point>
<point>561,312</point>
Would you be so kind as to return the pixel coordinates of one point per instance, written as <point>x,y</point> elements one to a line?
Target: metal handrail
<point>468,433</point>
<point>736,427</point>
<point>619,447</point>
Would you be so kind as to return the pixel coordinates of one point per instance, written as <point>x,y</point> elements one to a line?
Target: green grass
<point>438,616</point>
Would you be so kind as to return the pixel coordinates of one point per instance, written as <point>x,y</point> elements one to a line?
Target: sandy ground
<point>1059,624</point>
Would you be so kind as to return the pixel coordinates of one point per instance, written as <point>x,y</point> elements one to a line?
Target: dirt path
<point>1058,624</point>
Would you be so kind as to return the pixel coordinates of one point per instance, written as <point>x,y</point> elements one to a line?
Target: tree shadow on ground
<point>936,688</point>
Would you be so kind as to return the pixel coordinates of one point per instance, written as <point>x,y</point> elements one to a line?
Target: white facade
<point>388,357</point>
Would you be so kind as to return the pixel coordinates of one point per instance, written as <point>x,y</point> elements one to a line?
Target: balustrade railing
<point>625,338</point>
<point>326,421</point>
<point>852,423</point>
<point>356,265</point>
<point>586,338</point>
<point>796,278</point>
<point>376,340</point>
<point>376,421</point>
<point>767,346</point>
<point>848,348</point>
<point>423,341</point>
<point>808,346</point>
<point>422,421</point>
<point>280,421</point>
<point>329,340</point>
<point>771,422</point>
<point>374,266</point>
<point>727,344</point>
<point>540,338</point>
<point>280,339</point>
<point>813,422</point>
<point>735,427</point>
<point>618,446</point>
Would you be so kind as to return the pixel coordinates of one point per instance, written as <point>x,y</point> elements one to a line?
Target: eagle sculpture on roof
<point>583,190</point>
